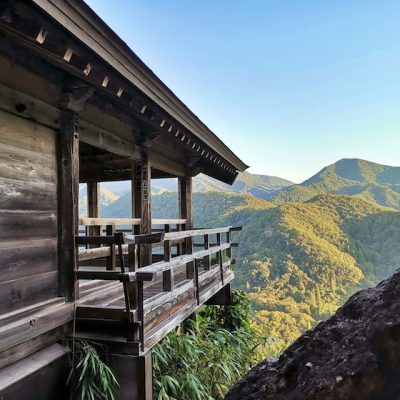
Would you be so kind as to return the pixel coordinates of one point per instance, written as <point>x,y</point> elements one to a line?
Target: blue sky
<point>289,85</point>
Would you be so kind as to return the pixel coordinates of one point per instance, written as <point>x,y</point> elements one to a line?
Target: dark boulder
<point>353,355</point>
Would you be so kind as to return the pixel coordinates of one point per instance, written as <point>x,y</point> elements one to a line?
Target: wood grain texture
<point>28,290</point>
<point>68,147</point>
<point>33,256</point>
<point>28,213</point>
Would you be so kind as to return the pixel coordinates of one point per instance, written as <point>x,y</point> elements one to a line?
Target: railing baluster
<point>228,240</point>
<point>132,260</point>
<point>190,270</point>
<point>167,276</point>
<point>207,259</point>
<point>196,279</point>
<point>111,260</point>
<point>220,259</point>
<point>167,250</point>
<point>179,245</point>
<point>168,280</point>
<point>141,313</point>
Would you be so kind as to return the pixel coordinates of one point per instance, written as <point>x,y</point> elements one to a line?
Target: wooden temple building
<point>78,106</point>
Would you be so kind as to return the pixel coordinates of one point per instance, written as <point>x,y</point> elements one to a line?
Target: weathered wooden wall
<point>28,213</point>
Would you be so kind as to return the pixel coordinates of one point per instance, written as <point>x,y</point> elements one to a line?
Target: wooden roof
<point>173,115</point>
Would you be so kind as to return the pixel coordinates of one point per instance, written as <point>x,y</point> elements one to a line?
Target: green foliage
<point>95,380</point>
<point>303,260</point>
<point>219,347</point>
<point>209,209</point>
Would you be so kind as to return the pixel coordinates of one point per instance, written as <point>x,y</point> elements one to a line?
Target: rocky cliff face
<point>353,355</point>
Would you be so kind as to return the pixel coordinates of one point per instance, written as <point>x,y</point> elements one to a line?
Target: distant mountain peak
<point>371,181</point>
<point>261,186</point>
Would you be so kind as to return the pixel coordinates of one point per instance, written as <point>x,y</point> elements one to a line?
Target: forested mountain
<point>106,198</point>
<point>299,260</point>
<point>209,209</point>
<point>370,181</point>
<point>376,183</point>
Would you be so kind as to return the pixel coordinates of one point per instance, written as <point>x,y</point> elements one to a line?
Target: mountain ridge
<point>349,176</point>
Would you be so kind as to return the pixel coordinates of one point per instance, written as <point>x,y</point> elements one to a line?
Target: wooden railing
<point>148,290</point>
<point>128,221</point>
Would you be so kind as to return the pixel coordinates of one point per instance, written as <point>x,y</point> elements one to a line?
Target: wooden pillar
<point>185,208</point>
<point>135,194</point>
<point>93,192</point>
<point>142,202</point>
<point>185,200</point>
<point>133,250</point>
<point>68,197</point>
<point>134,376</point>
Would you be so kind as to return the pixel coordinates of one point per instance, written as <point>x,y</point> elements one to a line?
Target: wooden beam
<point>68,202</point>
<point>165,164</point>
<point>105,140</point>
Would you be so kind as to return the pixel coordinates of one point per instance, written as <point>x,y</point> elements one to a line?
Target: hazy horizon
<point>289,86</point>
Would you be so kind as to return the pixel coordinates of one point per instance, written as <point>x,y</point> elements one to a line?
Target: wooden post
<point>229,249</point>
<point>207,259</point>
<point>133,250</point>
<point>93,193</point>
<point>68,156</point>
<point>185,209</point>
<point>111,262</point>
<point>142,202</point>
<point>134,375</point>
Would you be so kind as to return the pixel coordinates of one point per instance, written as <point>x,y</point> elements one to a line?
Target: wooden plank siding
<point>28,213</point>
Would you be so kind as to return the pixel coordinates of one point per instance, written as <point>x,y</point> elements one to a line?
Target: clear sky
<point>289,85</point>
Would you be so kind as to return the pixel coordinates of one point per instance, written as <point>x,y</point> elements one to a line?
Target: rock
<point>353,355</point>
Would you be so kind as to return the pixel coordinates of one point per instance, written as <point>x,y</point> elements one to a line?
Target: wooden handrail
<point>109,221</point>
<point>195,232</point>
<point>140,239</point>
<point>98,240</point>
<point>128,221</point>
<point>157,268</point>
<point>160,221</point>
<point>87,254</point>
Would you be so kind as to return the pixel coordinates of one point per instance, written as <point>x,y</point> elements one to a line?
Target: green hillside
<point>301,261</point>
<point>370,181</point>
<point>209,209</point>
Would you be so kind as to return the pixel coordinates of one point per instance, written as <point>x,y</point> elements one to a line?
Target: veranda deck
<point>139,306</point>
